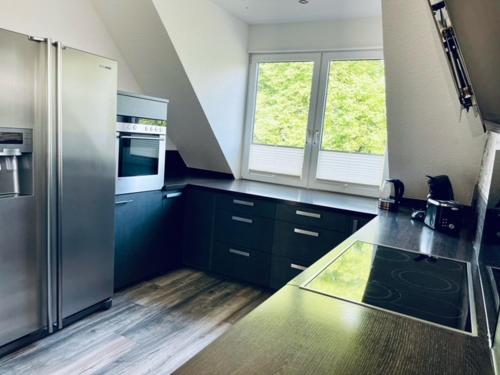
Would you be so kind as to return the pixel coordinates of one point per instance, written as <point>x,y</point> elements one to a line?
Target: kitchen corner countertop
<point>301,332</point>
<point>280,192</point>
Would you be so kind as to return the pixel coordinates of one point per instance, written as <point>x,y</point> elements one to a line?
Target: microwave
<point>140,157</point>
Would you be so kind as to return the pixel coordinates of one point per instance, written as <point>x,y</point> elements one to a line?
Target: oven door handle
<point>159,139</point>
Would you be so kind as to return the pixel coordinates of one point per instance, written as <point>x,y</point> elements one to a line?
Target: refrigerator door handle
<point>59,180</point>
<point>50,146</point>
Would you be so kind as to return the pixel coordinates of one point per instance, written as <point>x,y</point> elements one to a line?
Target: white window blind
<point>361,169</point>
<point>276,160</point>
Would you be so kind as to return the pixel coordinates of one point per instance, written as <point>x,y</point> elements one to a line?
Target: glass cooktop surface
<point>434,290</point>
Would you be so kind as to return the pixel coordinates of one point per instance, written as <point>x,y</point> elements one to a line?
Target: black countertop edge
<point>339,201</point>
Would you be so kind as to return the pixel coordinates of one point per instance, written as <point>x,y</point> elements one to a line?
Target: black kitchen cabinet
<point>241,263</point>
<point>245,205</point>
<point>284,269</point>
<point>259,240</point>
<point>303,234</point>
<point>198,228</point>
<point>249,238</point>
<point>243,231</point>
<point>304,243</point>
<point>359,221</point>
<point>173,212</point>
<point>254,232</point>
<point>147,235</point>
<point>313,217</point>
<point>125,257</point>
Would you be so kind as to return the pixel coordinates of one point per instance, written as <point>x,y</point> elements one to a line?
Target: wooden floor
<point>152,328</point>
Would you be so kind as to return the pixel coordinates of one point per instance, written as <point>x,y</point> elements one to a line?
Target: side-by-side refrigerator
<point>57,184</point>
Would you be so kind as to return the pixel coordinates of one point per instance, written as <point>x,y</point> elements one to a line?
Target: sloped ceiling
<point>145,44</point>
<point>212,46</point>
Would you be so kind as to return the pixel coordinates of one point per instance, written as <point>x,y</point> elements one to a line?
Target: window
<point>317,120</point>
<point>281,115</point>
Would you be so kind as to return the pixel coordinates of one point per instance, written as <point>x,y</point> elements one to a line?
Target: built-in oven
<point>140,157</point>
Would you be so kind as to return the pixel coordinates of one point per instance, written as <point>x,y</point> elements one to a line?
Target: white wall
<point>426,135</point>
<point>212,46</point>
<point>488,187</point>
<point>488,166</point>
<point>74,23</point>
<point>316,36</point>
<point>156,65</point>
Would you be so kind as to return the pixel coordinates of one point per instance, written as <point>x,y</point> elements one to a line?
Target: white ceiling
<point>284,11</point>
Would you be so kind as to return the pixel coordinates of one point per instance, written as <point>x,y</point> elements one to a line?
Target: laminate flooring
<point>152,328</point>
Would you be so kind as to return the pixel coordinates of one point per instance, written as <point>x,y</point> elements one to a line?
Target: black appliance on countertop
<point>440,188</point>
<point>442,212</point>
<point>391,194</point>
<point>431,289</point>
<point>444,216</point>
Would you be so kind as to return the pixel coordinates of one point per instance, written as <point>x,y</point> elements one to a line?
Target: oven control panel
<point>140,128</point>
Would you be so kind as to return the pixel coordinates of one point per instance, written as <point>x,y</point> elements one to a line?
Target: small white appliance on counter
<point>140,143</point>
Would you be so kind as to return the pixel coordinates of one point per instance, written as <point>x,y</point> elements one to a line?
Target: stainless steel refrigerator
<point>57,184</point>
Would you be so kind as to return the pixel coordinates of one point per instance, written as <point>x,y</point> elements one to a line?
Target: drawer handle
<point>238,252</point>
<point>174,195</point>
<point>242,220</point>
<point>119,203</point>
<point>243,203</point>
<point>306,232</point>
<point>308,214</point>
<point>298,267</point>
<point>355,225</point>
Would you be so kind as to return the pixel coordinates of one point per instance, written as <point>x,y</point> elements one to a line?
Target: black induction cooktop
<point>430,289</point>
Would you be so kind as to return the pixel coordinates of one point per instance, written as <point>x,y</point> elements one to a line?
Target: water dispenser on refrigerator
<point>16,162</point>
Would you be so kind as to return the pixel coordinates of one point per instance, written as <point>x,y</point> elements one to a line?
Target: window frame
<point>255,60</point>
<point>317,110</point>
<point>337,186</point>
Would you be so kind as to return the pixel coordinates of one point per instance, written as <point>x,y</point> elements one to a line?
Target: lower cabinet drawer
<point>306,244</point>
<point>283,270</point>
<point>253,232</point>
<point>241,263</point>
<point>246,205</point>
<point>313,216</point>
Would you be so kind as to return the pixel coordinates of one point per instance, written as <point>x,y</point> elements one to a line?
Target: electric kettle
<point>391,193</point>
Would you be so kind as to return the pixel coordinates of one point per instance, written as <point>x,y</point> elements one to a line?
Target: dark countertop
<point>301,332</point>
<point>280,192</point>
